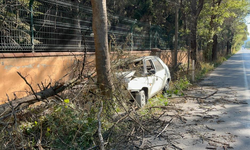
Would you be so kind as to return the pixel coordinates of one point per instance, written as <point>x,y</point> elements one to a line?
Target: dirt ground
<point>188,122</point>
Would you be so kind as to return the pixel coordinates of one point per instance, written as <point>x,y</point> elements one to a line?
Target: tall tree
<point>196,8</point>
<point>101,46</point>
<point>218,22</point>
<point>176,32</point>
<point>215,4</point>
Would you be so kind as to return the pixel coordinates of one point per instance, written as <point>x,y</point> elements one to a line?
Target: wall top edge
<point>52,54</point>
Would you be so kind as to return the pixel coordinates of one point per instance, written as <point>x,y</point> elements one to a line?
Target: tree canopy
<point>218,21</point>
<point>209,25</point>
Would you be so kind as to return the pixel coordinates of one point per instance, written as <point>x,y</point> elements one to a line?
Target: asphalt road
<point>234,74</point>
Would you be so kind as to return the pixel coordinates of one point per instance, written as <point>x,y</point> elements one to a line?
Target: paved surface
<point>234,74</point>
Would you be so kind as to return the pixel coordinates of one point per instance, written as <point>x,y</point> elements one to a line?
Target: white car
<point>144,77</point>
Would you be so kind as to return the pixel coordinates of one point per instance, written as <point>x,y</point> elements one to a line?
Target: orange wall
<point>48,68</point>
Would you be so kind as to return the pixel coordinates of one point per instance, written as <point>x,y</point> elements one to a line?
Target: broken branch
<point>100,128</point>
<point>27,84</point>
<point>164,128</point>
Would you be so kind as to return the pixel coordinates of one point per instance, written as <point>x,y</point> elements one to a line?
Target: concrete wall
<point>50,67</point>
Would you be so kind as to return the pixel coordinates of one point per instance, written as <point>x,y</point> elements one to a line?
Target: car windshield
<point>136,66</point>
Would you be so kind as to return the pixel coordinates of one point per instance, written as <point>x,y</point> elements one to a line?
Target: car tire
<point>141,98</point>
<point>166,87</point>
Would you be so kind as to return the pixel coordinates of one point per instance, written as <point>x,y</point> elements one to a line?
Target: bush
<point>178,86</point>
<point>63,127</point>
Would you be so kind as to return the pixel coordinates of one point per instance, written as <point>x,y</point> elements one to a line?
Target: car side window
<point>150,66</point>
<point>158,65</point>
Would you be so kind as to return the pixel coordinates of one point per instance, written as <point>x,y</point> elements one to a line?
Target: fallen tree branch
<point>226,144</point>
<point>202,97</point>
<point>144,128</point>
<point>27,84</point>
<point>5,110</point>
<point>196,96</point>
<point>143,140</point>
<point>166,107</point>
<point>211,147</point>
<point>150,147</point>
<point>175,146</point>
<point>164,128</point>
<point>210,128</point>
<point>111,129</point>
<point>100,127</point>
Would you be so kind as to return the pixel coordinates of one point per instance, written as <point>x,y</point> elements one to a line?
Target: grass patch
<point>158,100</point>
<point>176,87</point>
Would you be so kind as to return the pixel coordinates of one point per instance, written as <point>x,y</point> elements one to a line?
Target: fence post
<point>155,38</point>
<point>31,25</point>
<point>193,68</point>
<point>132,41</point>
<point>150,35</point>
<point>132,36</point>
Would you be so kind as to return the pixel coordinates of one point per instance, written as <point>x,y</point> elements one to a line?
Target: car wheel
<point>141,98</point>
<point>166,87</point>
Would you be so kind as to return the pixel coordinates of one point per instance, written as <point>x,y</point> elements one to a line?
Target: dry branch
<point>209,139</point>
<point>210,128</point>
<point>18,104</point>
<point>211,147</point>
<point>166,107</point>
<point>203,97</point>
<point>151,147</point>
<point>164,128</point>
<point>111,129</point>
<point>143,140</point>
<point>100,128</point>
<point>142,127</point>
<point>27,84</point>
<point>175,146</point>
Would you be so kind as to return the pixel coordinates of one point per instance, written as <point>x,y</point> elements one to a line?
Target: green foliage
<point>64,126</point>
<point>178,86</point>
<point>226,19</point>
<point>159,100</point>
<point>247,44</point>
<point>205,68</point>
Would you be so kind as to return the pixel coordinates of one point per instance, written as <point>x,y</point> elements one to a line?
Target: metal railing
<point>58,25</point>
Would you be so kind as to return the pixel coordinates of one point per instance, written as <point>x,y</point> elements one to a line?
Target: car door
<point>159,76</point>
<point>150,73</point>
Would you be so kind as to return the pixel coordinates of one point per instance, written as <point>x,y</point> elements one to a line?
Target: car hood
<point>127,75</point>
<point>132,82</point>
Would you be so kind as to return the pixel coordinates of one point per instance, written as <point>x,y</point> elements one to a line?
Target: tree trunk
<point>214,49</point>
<point>195,12</point>
<point>193,39</point>
<point>101,46</point>
<point>228,48</point>
<point>176,35</point>
<point>213,27</point>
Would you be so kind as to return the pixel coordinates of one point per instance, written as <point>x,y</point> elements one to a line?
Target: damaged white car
<point>144,77</point>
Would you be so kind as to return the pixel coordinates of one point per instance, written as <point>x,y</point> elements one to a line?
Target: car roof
<point>145,57</point>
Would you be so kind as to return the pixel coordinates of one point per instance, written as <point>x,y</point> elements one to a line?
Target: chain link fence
<point>58,25</point>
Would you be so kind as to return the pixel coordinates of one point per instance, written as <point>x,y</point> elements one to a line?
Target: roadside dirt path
<point>213,115</point>
<point>193,122</point>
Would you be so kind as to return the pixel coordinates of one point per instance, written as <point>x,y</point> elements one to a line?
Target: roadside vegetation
<point>70,121</point>
<point>81,117</point>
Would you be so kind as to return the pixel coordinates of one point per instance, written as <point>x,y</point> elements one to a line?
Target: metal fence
<point>58,25</point>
